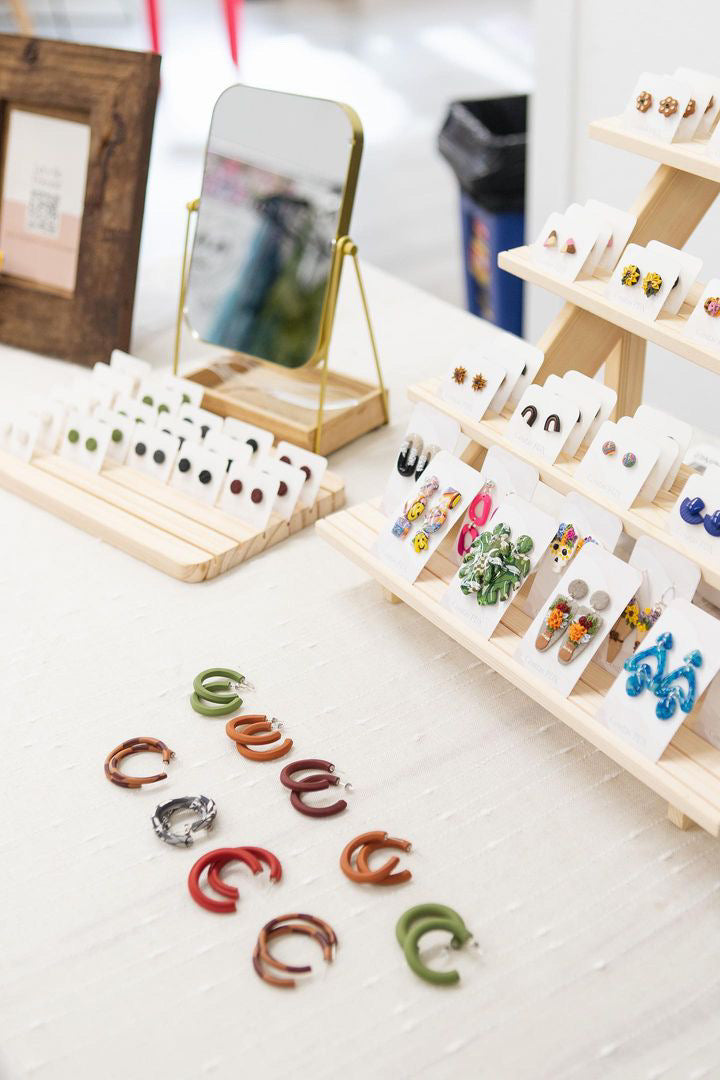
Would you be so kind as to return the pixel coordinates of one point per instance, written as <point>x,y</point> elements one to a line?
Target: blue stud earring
<point>671,695</point>
<point>712,523</point>
<point>642,674</point>
<point>691,511</point>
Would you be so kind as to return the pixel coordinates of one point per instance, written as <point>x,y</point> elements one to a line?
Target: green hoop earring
<point>410,948</point>
<point>220,691</point>
<point>423,911</point>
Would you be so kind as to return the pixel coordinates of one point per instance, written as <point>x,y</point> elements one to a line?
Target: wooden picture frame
<point>114,93</point>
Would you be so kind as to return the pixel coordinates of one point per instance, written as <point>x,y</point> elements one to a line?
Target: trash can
<point>484,142</point>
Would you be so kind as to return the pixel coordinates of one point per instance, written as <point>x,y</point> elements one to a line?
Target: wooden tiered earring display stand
<point>590,331</point>
<point>157,524</point>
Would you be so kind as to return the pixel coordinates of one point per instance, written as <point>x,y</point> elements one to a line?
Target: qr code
<point>43,213</point>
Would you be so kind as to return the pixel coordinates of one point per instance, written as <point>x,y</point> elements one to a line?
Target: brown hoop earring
<point>318,811</point>
<point>320,932</point>
<point>254,725</point>
<point>529,415</point>
<point>361,873</point>
<point>136,746</point>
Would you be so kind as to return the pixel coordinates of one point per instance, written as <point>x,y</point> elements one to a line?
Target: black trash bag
<point>484,142</point>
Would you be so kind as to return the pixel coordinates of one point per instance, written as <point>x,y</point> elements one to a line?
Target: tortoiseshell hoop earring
<point>136,746</point>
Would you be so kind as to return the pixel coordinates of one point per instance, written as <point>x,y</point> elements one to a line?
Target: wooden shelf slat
<point>590,295</point>
<point>687,775</point>
<point>691,156</point>
<point>649,520</point>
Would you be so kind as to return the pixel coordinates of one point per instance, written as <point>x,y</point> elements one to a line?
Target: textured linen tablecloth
<point>597,920</point>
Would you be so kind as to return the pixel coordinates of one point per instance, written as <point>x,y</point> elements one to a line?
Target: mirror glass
<point>279,180</point>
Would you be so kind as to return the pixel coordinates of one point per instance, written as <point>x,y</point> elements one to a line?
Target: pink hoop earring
<point>478,512</point>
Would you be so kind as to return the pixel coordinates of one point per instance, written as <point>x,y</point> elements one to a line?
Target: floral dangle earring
<point>638,619</point>
<point>566,545</point>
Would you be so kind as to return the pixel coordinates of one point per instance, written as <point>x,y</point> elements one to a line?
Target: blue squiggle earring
<point>672,695</point>
<point>642,674</point>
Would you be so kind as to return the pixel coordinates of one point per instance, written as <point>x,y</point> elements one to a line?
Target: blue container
<point>491,292</point>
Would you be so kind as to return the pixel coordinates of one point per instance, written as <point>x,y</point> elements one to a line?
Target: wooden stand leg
<point>391,597</point>
<point>680,820</point>
<point>625,372</point>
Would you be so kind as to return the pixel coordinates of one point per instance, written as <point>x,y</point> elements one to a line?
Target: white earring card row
<point>135,460</point>
<point>676,108</point>
<point>585,604</point>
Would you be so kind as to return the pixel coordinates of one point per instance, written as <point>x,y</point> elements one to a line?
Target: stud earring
<point>630,275</point>
<point>478,512</point>
<point>551,239</point>
<point>184,465</point>
<point>712,306</point>
<point>256,495</point>
<point>253,444</point>
<point>73,435</point>
<point>609,448</point>
<point>425,458</point>
<point>258,731</point>
<point>204,476</point>
<point>116,435</point>
<point>409,453</point>
<point>195,804</point>
<point>91,444</point>
<point>140,449</point>
<point>529,415</point>
<point>668,106</point>
<point>552,423</point>
<point>159,457</point>
<point>459,375</point>
<point>690,108</point>
<point>629,459</point>
<point>712,523</point>
<point>691,511</point>
<point>652,284</point>
<point>479,382</point>
<point>568,247</point>
<point>236,486</point>
<point>361,873</point>
<point>415,508</point>
<point>643,101</point>
<point>136,746</point>
<point>436,518</point>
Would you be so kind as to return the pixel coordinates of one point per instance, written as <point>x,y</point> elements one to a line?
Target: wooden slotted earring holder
<point>590,331</point>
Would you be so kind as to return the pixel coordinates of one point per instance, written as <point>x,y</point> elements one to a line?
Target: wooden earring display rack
<point>163,527</point>
<point>590,331</point>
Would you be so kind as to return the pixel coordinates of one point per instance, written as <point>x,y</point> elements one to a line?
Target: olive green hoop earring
<point>423,911</point>
<point>218,696</point>
<point>410,948</point>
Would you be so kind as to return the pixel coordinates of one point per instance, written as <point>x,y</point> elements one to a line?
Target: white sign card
<point>421,523</point>
<point>533,358</point>
<point>582,215</point>
<point>133,366</point>
<point>229,448</point>
<point>659,124</point>
<point>628,426</point>
<point>472,382</point>
<point>162,399</point>
<point>602,466</point>
<point>588,409</point>
<point>428,432</point>
<point>604,400</point>
<point>191,393</point>
<point>622,223</point>
<point>689,266</point>
<point>120,383</point>
<point>666,683</point>
<point>136,410</point>
<point>313,465</point>
<point>679,430</point>
<point>543,421</point>
<point>51,415</point>
<point>606,585</point>
<point>524,521</point>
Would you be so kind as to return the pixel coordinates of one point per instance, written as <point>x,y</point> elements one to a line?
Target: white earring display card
<point>137,369</point>
<point>563,246</point>
<point>420,523</point>
<point>704,321</point>
<point>122,428</point>
<point>51,415</point>
<point>695,518</point>
<point>506,551</point>
<point>533,359</point>
<point>204,420</point>
<point>578,217</point>
<point>175,425</point>
<point>518,358</point>
<point>289,485</point>
<point>85,441</point>
<point>198,472</point>
<point>24,436</point>
<point>471,383</point>
<point>587,405</point>
<point>542,422</point>
<point>248,494</point>
<point>663,681</point>
<point>651,418</point>
<point>689,266</point>
<point>642,280</point>
<point>502,474</point>
<point>428,432</point>
<point>191,393</point>
<point>601,400</point>
<point>622,224</point>
<point>570,627</point>
<point>162,399</point>
<point>231,449</point>
<point>258,439</point>
<point>135,409</point>
<point>706,90</point>
<point>628,427</point>
<point>657,105</point>
<point>617,464</point>
<point>313,465</point>
<point>114,383</point>
<point>153,452</point>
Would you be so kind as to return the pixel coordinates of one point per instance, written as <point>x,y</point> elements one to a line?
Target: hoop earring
<point>196,804</point>
<point>307,925</point>
<point>213,696</point>
<point>361,873</point>
<point>419,921</point>
<point>254,724</point>
<point>318,811</point>
<point>316,782</point>
<point>219,858</point>
<point>136,746</point>
<point>216,882</point>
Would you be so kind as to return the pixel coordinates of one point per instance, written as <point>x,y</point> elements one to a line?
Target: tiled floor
<point>398,62</point>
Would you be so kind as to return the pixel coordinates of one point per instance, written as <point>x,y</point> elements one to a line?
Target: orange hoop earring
<point>258,731</point>
<point>368,843</point>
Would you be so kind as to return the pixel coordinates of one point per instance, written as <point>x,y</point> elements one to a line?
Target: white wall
<point>588,57</point>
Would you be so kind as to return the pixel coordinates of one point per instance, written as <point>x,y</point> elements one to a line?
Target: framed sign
<point>76,127</point>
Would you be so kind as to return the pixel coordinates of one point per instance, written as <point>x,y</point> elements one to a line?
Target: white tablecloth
<point>597,920</point>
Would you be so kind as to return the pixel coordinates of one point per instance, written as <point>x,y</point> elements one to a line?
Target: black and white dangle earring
<point>410,451</point>
<point>428,453</point>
